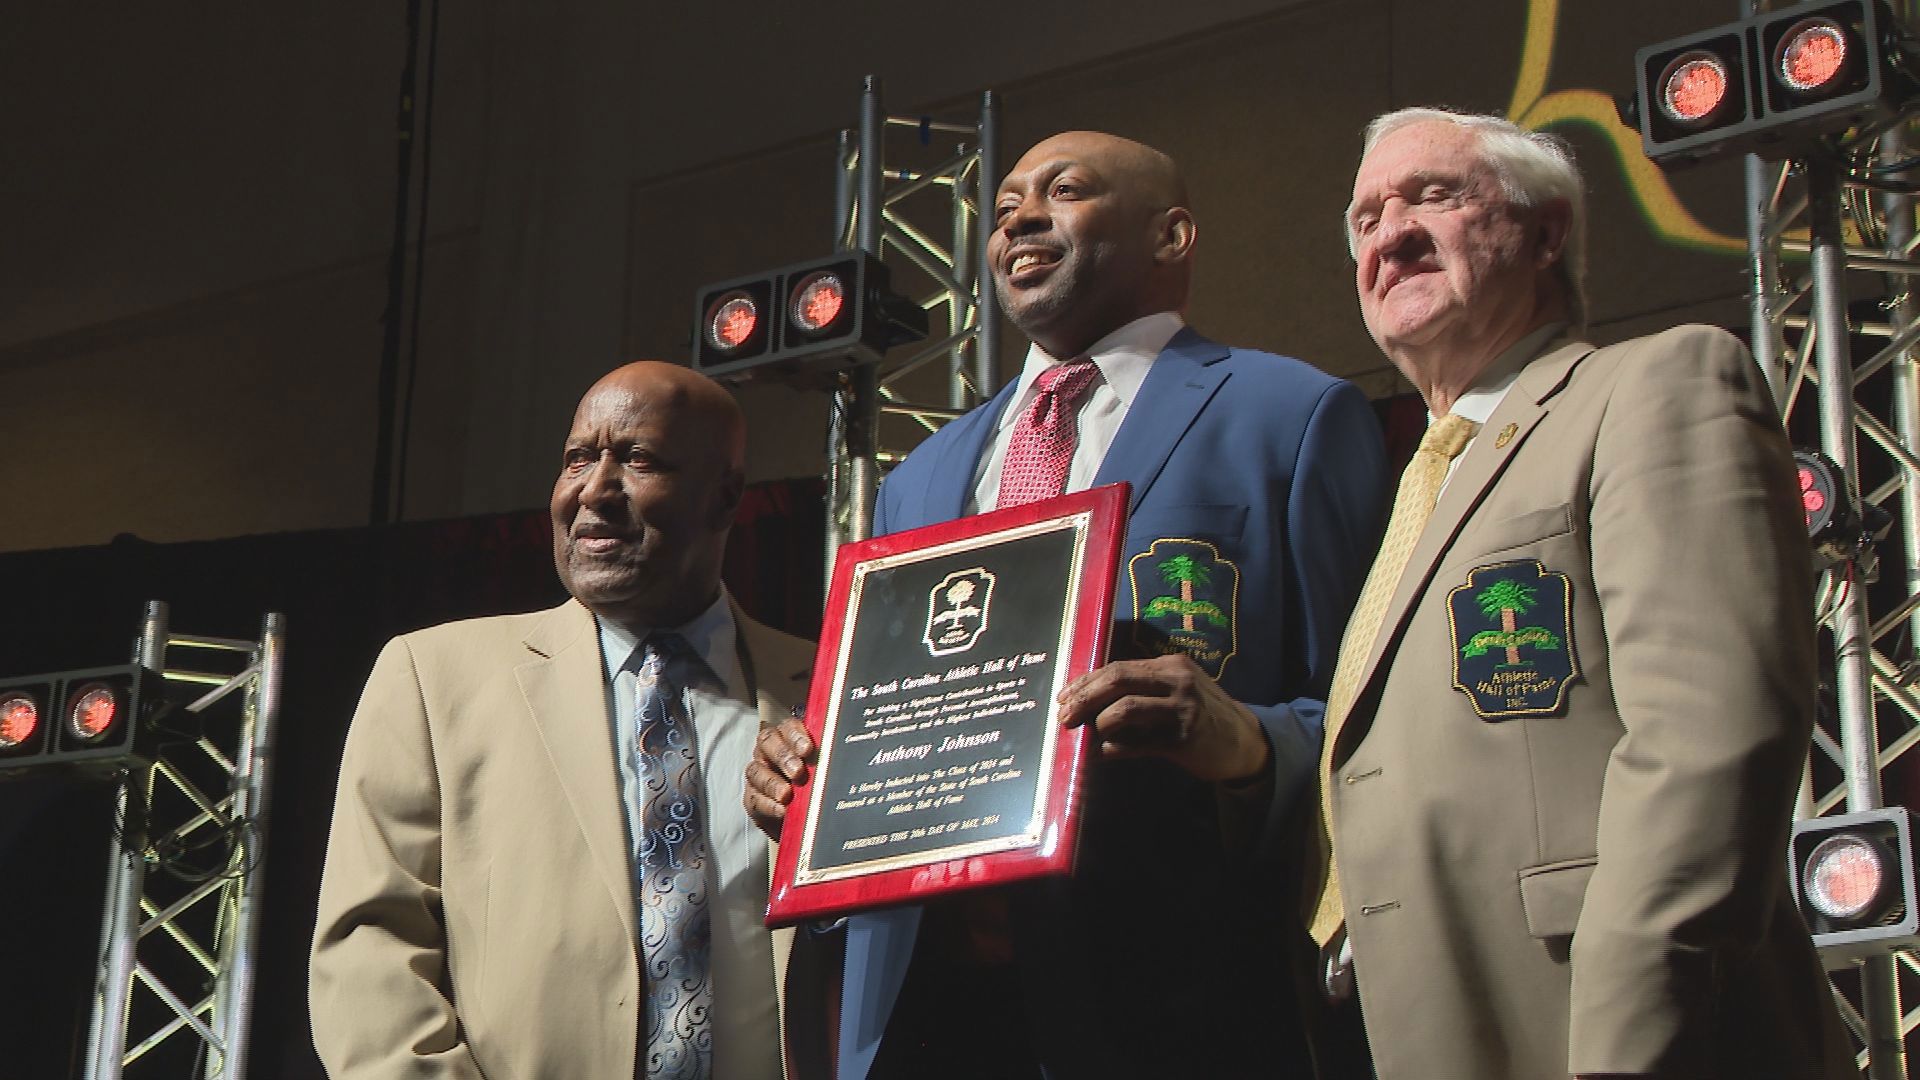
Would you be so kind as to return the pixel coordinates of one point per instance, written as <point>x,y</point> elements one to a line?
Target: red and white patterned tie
<point>1041,450</point>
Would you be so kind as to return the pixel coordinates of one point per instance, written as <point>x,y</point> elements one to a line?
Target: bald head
<point>1142,171</point>
<point>659,384</point>
<point>652,473</point>
<point>1091,231</point>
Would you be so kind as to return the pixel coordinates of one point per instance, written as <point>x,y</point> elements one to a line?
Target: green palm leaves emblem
<point>1508,600</point>
<point>1184,572</point>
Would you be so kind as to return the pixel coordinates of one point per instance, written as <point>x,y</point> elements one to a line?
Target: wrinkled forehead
<point>623,412</point>
<point>610,402</point>
<point>1418,154</point>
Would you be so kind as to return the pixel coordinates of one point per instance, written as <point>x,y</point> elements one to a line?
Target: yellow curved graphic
<point>1536,109</point>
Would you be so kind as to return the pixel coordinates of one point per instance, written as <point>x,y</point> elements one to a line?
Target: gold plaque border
<point>1030,836</point>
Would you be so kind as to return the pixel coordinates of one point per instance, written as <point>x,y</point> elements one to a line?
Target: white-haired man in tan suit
<point>1569,717</point>
<point>539,865</point>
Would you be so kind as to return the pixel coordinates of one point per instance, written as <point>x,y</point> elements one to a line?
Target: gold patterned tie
<point>1412,505</point>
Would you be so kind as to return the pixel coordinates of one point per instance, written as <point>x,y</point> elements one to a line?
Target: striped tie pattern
<point>1412,505</point>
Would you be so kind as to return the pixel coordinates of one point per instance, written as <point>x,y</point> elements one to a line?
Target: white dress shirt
<point>1122,357</point>
<point>1491,388</point>
<point>745,1017</point>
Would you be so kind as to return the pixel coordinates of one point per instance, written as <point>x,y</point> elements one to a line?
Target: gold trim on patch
<point>1233,615</point>
<point>1573,657</point>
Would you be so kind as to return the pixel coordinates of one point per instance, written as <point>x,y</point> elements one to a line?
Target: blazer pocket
<point>1519,530</point>
<point>1220,523</point>
<point>1551,896</point>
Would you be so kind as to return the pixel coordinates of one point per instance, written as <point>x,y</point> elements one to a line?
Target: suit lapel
<point>777,682</point>
<point>950,482</point>
<point>565,690</point>
<point>1179,383</point>
<point>1486,459</point>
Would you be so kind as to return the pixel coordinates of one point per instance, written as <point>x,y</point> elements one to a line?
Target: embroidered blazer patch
<point>1512,628</point>
<point>1186,599</point>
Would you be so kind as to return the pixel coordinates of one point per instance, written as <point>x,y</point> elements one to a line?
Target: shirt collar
<point>711,635</point>
<point>1478,403</point>
<point>1122,357</point>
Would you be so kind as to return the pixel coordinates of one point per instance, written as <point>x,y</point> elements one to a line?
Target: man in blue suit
<point>1258,492</point>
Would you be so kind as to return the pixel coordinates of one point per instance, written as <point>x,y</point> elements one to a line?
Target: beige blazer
<point>476,912</point>
<point>1586,876</point>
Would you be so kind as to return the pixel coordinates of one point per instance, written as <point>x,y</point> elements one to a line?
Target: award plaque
<point>942,763</point>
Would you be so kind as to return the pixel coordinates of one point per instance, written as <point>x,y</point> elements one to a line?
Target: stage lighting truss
<point>188,750</point>
<point>1821,90</point>
<point>897,190</point>
<point>844,322</point>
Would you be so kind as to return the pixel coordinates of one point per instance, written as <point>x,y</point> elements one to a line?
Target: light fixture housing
<point>1833,528</point>
<point>1853,877</point>
<point>1773,84</point>
<point>91,719</point>
<point>23,711</point>
<point>815,320</point>
<point>732,323</point>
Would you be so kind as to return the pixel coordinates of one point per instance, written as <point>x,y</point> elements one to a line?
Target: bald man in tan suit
<point>1562,775</point>
<point>479,912</point>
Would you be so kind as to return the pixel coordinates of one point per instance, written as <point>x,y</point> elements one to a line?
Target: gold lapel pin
<point>1505,436</point>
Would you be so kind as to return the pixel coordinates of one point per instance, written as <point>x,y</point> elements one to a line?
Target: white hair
<point>1534,168</point>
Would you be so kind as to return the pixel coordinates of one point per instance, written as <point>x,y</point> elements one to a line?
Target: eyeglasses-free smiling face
<point>1079,238</point>
<point>1443,259</point>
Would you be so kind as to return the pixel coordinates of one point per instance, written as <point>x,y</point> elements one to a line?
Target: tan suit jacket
<point>476,912</point>
<point>1594,884</point>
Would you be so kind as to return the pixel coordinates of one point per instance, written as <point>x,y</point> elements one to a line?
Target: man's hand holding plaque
<point>781,757</point>
<point>1167,707</point>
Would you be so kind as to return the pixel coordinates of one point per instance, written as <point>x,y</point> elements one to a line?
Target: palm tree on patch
<point>1508,600</point>
<point>1183,571</point>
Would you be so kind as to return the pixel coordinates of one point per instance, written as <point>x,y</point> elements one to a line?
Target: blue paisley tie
<point>676,927</point>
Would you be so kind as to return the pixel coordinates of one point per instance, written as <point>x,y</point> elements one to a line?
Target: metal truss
<point>1804,340</point>
<point>887,208</point>
<point>175,981</point>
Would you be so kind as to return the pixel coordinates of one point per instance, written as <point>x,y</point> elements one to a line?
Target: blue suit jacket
<point>1159,957</point>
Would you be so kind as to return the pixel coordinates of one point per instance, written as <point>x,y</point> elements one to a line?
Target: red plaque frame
<point>804,886</point>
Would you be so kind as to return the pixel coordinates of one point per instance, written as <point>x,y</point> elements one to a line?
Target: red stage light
<point>1812,55</point>
<point>818,300</point>
<point>1693,87</point>
<point>1844,876</point>
<point>731,321</point>
<point>1811,497</point>
<point>19,716</point>
<point>94,710</point>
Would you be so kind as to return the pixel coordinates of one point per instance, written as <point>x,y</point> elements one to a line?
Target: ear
<point>1176,235</point>
<point>1551,226</point>
<point>733,488</point>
